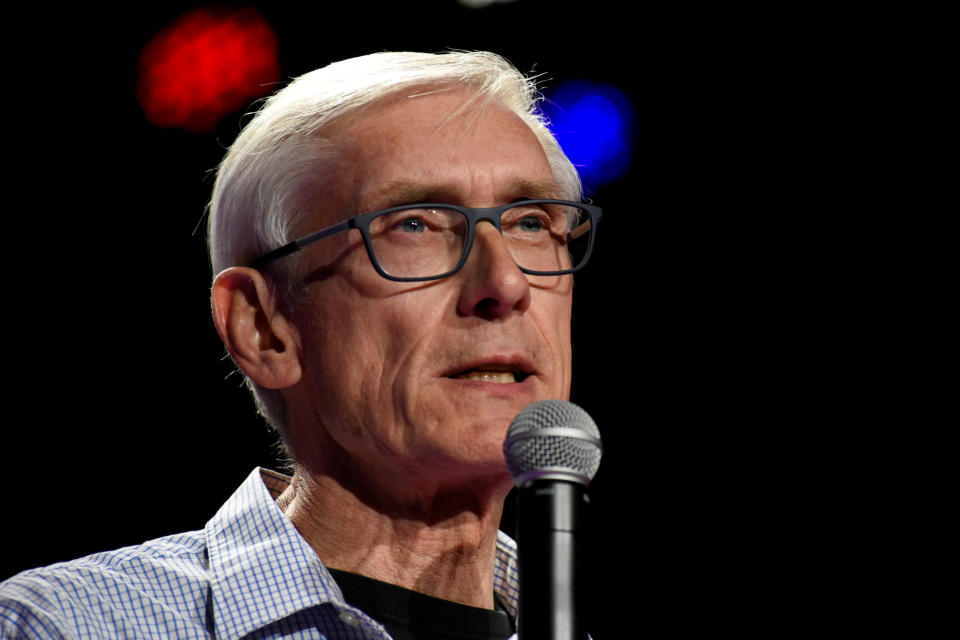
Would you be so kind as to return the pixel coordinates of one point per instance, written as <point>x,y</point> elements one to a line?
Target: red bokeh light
<point>209,63</point>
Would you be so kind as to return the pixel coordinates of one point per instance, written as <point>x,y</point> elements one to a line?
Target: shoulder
<point>161,584</point>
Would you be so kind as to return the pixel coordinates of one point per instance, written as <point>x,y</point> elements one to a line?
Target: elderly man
<point>394,238</point>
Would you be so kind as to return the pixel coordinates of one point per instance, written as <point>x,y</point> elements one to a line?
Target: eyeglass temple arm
<point>296,245</point>
<point>586,225</point>
<point>579,230</point>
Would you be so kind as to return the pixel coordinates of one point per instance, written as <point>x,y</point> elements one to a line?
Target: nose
<point>493,284</point>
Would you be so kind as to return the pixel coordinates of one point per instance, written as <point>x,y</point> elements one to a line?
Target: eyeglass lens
<point>424,242</point>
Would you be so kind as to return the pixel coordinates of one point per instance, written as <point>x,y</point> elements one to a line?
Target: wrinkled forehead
<point>436,146</point>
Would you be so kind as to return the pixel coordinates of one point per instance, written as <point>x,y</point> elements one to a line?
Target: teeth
<point>497,377</point>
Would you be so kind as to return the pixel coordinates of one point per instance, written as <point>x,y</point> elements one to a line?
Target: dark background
<point>123,422</point>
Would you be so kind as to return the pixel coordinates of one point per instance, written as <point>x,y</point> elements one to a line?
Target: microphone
<point>553,451</point>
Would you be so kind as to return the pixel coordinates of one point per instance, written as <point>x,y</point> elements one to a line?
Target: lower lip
<point>504,388</point>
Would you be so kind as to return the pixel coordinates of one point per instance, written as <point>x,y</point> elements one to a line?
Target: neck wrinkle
<point>442,544</point>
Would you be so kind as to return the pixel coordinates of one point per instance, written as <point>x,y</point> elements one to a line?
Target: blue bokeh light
<point>594,124</point>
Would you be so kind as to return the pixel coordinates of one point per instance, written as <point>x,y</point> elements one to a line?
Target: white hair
<point>275,168</point>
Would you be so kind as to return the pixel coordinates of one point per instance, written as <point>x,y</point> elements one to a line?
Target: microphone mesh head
<point>552,439</point>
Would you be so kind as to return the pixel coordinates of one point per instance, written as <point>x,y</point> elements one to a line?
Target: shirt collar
<point>261,569</point>
<point>506,573</point>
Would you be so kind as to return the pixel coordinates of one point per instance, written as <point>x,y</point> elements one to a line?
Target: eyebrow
<point>406,192</point>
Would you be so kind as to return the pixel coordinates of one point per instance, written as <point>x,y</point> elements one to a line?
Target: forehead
<point>441,145</point>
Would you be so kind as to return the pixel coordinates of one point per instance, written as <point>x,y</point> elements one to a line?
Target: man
<point>390,350</point>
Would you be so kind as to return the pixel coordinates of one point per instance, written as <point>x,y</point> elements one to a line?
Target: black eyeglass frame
<point>473,216</point>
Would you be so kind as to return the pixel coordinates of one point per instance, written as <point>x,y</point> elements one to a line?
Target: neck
<point>440,541</point>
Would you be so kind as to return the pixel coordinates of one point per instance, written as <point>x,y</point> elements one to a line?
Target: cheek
<point>346,393</point>
<point>412,328</point>
<point>378,349</point>
<point>558,312</point>
<point>567,359</point>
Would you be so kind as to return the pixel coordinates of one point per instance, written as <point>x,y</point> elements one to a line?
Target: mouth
<point>493,373</point>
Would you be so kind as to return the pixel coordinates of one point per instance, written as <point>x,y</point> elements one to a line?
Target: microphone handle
<point>549,515</point>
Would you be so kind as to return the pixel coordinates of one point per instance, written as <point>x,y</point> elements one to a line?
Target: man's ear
<point>260,339</point>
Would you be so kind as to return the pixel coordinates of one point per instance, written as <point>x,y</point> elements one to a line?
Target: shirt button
<point>348,618</point>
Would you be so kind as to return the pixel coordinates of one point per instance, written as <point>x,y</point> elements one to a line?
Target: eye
<point>531,224</point>
<point>413,225</point>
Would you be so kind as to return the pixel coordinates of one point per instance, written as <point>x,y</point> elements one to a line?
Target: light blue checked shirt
<point>247,574</point>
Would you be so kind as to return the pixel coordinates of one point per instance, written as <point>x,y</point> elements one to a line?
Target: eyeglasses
<point>417,242</point>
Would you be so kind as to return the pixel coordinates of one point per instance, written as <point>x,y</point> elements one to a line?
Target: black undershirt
<point>409,615</point>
